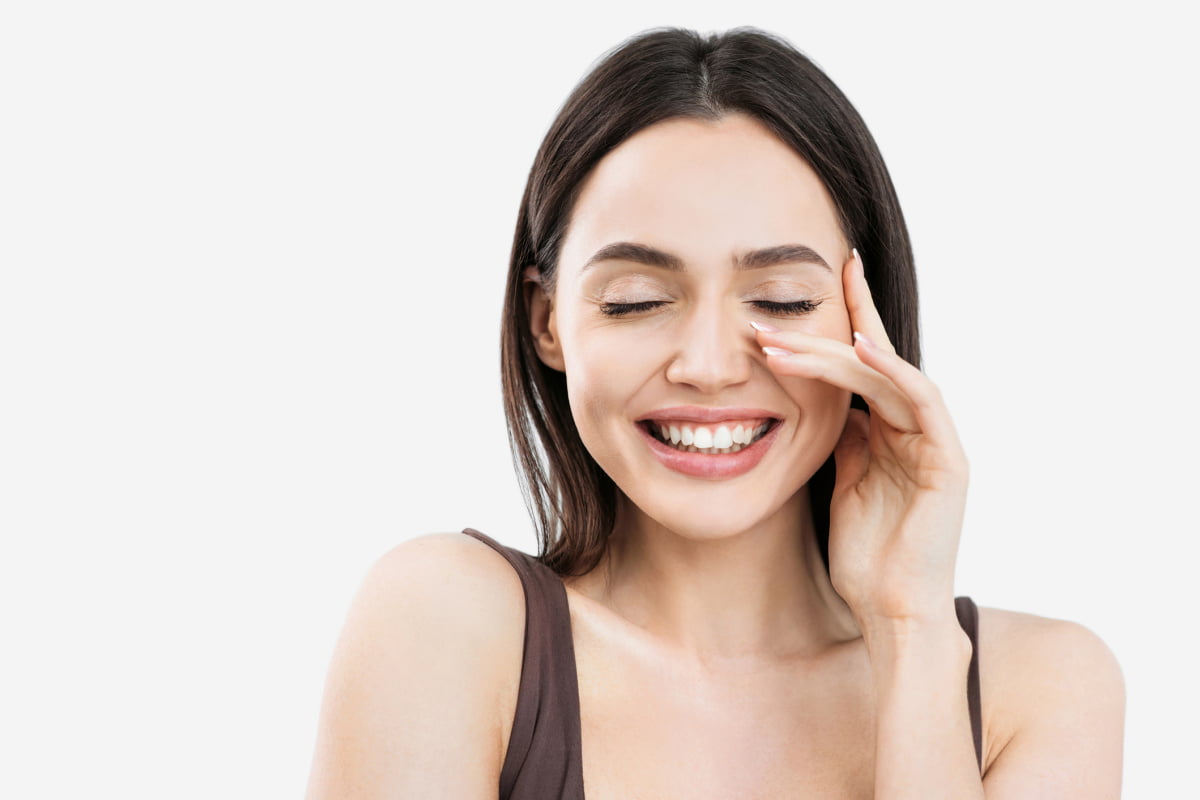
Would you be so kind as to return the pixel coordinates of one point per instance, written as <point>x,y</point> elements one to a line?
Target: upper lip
<point>702,414</point>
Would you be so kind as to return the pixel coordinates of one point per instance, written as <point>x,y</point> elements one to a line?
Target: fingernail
<point>765,328</point>
<point>862,270</point>
<point>776,351</point>
<point>864,339</point>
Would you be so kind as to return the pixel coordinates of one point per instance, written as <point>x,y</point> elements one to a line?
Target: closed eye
<point>793,307</point>
<point>621,309</point>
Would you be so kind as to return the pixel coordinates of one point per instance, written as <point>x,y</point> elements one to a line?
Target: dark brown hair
<point>654,76</point>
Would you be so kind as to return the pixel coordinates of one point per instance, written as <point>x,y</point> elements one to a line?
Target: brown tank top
<point>544,760</point>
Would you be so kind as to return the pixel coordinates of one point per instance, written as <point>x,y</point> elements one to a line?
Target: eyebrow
<point>754,259</point>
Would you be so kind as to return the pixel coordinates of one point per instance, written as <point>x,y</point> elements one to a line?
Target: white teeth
<point>722,439</point>
<point>704,440</point>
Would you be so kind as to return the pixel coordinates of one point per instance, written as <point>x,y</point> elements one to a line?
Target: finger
<point>842,365</point>
<point>837,364</point>
<point>863,314</point>
<point>922,394</point>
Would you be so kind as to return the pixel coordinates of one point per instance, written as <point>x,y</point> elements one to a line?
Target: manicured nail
<point>765,328</point>
<point>776,351</point>
<point>858,257</point>
<point>864,340</point>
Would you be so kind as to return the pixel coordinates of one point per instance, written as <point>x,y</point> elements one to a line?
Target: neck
<point>758,594</point>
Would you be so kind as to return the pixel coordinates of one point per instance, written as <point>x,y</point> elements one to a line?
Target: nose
<point>715,350</point>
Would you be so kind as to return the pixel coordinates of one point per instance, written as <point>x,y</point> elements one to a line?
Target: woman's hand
<point>897,508</point>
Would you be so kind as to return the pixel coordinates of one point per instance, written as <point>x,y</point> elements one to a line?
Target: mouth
<point>714,451</point>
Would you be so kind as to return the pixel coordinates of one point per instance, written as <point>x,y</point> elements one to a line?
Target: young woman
<point>749,496</point>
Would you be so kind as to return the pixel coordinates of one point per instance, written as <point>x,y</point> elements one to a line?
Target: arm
<point>923,744</point>
<point>412,701</point>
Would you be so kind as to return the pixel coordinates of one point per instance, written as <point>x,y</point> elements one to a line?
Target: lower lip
<point>711,466</point>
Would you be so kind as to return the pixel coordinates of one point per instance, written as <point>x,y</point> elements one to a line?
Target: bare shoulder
<point>455,576</point>
<point>1053,697</point>
<point>423,675</point>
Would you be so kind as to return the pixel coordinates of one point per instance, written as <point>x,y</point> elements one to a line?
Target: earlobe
<point>543,322</point>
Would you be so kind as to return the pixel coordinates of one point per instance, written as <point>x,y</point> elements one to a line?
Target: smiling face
<point>712,226</point>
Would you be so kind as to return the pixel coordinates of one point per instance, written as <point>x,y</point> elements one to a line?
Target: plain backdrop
<point>252,262</point>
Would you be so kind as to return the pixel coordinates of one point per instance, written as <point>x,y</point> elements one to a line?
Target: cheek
<point>605,371</point>
<point>597,405</point>
<point>601,374</point>
<point>816,398</point>
<point>824,410</point>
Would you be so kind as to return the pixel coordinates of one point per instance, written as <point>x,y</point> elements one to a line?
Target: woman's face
<point>695,199</point>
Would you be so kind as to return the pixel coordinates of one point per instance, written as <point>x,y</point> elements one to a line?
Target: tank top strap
<point>968,617</point>
<point>544,757</point>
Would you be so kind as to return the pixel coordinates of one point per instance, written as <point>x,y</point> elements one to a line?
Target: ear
<point>542,321</point>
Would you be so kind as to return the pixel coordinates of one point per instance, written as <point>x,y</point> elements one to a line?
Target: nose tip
<point>714,352</point>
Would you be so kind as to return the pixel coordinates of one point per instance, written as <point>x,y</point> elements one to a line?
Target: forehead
<point>704,190</point>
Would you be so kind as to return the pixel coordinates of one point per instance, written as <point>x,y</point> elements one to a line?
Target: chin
<point>702,521</point>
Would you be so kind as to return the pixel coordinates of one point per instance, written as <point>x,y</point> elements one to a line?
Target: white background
<point>252,261</point>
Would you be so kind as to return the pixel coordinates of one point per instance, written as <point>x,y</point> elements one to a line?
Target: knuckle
<point>930,394</point>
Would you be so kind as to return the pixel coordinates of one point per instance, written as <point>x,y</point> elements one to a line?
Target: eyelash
<point>794,307</point>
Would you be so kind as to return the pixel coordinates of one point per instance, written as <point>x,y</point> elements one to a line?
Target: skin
<point>715,656</point>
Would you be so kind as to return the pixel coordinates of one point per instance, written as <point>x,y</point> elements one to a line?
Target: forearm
<point>923,743</point>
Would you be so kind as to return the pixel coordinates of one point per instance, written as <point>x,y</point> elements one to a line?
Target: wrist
<point>942,640</point>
